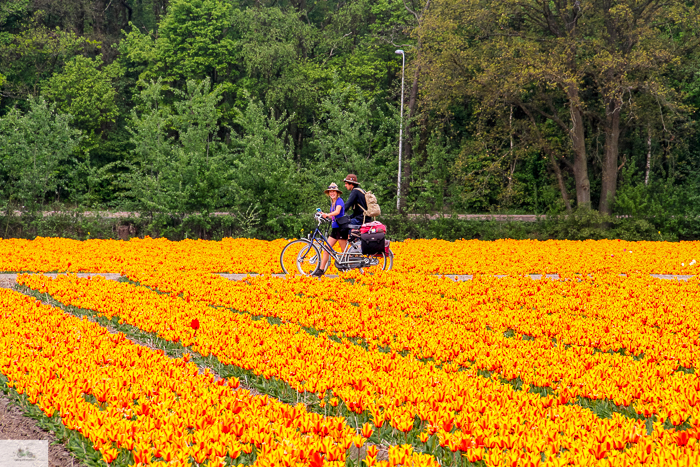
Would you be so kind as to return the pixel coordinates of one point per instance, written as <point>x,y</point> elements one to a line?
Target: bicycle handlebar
<point>319,217</point>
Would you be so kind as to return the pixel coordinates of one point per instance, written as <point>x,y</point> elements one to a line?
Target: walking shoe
<point>318,272</point>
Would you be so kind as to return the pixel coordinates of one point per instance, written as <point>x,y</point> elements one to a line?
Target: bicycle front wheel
<point>300,257</point>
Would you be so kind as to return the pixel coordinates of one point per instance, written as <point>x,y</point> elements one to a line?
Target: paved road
<point>468,277</point>
<point>476,217</point>
<point>9,280</point>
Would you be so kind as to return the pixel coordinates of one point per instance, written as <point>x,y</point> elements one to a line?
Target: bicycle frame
<point>343,259</point>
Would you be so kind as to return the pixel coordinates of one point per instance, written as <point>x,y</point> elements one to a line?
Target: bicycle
<point>304,254</point>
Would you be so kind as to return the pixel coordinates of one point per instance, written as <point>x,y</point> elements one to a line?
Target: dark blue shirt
<point>355,200</point>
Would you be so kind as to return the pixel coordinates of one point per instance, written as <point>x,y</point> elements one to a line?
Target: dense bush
<point>580,225</point>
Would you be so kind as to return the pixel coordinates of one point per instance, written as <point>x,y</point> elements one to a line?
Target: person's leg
<point>343,239</point>
<point>324,257</point>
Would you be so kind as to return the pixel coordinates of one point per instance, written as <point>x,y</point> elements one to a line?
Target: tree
<point>262,174</point>
<point>84,89</point>
<point>33,146</point>
<point>178,159</point>
<point>352,136</point>
<point>578,64</point>
<point>33,54</point>
<point>195,41</point>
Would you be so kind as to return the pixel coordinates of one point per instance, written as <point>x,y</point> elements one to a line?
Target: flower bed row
<point>511,257</point>
<point>447,410</point>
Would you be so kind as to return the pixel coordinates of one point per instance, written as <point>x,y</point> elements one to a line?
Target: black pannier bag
<point>372,243</point>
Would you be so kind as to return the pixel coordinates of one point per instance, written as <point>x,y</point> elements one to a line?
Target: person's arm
<point>334,213</point>
<point>352,200</point>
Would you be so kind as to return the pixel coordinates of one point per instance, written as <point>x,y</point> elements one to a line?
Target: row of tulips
<point>134,402</point>
<point>469,332</point>
<point>581,310</point>
<point>446,409</point>
<point>510,257</point>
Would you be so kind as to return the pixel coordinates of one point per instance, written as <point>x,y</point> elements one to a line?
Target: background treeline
<point>583,110</point>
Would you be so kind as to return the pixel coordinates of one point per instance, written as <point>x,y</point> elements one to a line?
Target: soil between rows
<point>15,426</point>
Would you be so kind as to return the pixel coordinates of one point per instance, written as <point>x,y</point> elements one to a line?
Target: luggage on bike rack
<point>372,227</point>
<point>372,243</point>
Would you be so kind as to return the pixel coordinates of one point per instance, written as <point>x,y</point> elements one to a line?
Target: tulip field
<point>175,364</point>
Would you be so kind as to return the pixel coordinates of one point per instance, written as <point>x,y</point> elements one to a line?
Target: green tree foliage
<point>84,89</point>
<point>580,65</point>
<point>180,108</point>
<point>352,136</point>
<point>194,41</point>
<point>33,146</point>
<point>262,172</point>
<point>177,157</point>
<point>33,55</point>
<point>182,168</point>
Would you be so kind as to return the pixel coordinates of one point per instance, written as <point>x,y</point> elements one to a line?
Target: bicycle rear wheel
<point>300,257</point>
<point>381,261</point>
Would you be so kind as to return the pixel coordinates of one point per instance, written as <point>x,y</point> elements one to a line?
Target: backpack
<point>373,209</point>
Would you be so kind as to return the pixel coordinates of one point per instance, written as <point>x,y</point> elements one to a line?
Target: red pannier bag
<point>373,227</point>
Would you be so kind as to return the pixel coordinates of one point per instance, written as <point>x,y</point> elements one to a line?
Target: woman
<point>338,234</point>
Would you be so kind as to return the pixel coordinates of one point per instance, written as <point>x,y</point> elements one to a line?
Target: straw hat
<point>333,187</point>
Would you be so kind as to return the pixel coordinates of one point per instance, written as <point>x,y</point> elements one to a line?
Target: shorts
<point>339,234</point>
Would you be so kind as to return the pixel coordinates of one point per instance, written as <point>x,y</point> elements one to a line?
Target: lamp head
<point>399,52</point>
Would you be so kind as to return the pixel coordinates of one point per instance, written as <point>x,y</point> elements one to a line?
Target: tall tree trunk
<point>648,167</point>
<point>408,139</point>
<point>583,185</point>
<point>610,169</point>
<point>560,180</point>
<point>552,157</point>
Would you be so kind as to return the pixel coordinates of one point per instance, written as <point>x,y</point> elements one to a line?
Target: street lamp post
<point>398,188</point>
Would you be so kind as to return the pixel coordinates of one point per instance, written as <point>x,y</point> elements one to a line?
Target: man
<point>356,201</point>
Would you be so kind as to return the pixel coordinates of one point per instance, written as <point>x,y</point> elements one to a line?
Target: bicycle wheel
<point>300,257</point>
<point>379,261</point>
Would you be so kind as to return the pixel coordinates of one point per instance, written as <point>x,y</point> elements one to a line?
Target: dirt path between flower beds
<point>15,426</point>
<point>8,281</point>
<point>464,277</point>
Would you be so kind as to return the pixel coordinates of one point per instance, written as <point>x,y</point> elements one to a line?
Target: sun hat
<point>352,178</point>
<point>333,187</point>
